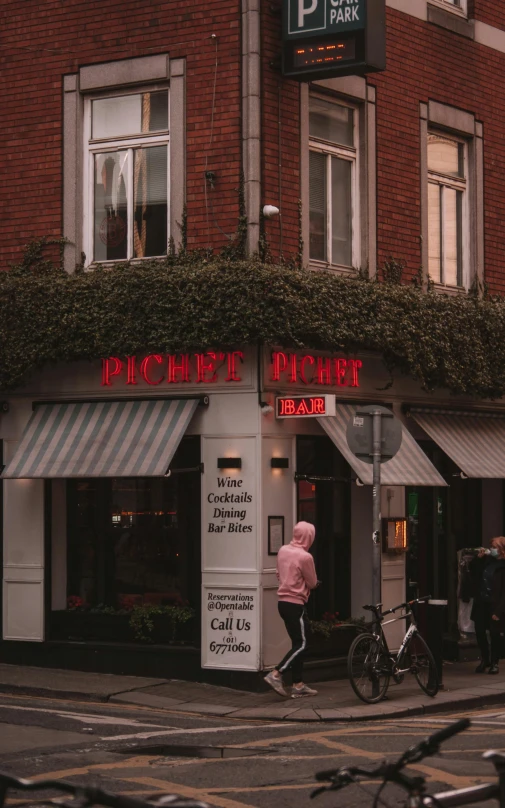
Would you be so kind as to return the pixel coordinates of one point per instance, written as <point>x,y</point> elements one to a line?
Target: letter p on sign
<point>302,11</point>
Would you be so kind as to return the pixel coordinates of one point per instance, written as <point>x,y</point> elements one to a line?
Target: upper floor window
<point>333,187</point>
<point>126,176</point>
<point>448,221</point>
<point>459,6</point>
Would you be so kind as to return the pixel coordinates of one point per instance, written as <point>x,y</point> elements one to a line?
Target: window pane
<point>130,114</point>
<point>452,237</point>
<point>434,226</point>
<point>317,206</point>
<point>341,212</point>
<point>331,122</point>
<point>110,206</point>
<point>445,156</point>
<point>150,217</point>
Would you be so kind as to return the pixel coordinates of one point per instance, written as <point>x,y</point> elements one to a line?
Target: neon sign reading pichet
<point>294,368</point>
<point>203,368</point>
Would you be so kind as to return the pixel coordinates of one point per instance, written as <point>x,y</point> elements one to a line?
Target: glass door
<point>323,498</point>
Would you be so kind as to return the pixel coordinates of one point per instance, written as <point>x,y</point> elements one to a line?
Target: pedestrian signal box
<point>329,38</point>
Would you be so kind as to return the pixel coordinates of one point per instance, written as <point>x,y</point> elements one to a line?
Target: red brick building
<point>118,117</point>
<point>235,113</point>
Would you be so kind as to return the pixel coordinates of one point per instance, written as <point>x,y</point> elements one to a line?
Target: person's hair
<point>499,543</point>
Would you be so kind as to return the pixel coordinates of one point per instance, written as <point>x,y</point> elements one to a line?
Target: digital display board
<point>325,54</point>
<point>327,38</point>
<point>304,406</point>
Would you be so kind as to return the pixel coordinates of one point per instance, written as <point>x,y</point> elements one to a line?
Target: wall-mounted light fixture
<point>394,535</point>
<point>279,462</point>
<point>229,462</point>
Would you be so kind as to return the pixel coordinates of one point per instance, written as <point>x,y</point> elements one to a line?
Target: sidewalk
<point>335,700</point>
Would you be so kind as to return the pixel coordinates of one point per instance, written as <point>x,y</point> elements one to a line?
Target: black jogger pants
<point>295,620</point>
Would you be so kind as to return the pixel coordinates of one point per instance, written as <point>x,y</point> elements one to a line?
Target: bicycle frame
<point>381,637</point>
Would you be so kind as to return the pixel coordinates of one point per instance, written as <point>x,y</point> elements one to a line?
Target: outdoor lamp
<point>229,462</point>
<point>279,462</point>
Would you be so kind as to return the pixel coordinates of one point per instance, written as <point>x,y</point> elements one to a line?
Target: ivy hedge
<point>192,301</point>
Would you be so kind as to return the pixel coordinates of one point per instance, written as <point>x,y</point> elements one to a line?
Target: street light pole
<point>376,512</point>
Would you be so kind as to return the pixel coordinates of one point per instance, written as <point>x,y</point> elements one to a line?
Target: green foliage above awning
<point>191,303</point>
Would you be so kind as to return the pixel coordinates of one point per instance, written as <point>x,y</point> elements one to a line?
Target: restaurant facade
<point>144,495</point>
<point>172,481</point>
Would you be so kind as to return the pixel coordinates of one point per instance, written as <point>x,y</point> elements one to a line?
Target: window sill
<point>116,261</point>
<point>442,289</point>
<point>335,268</point>
<point>452,20</point>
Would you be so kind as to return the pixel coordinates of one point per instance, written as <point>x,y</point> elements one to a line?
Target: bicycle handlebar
<point>92,795</point>
<point>447,732</point>
<point>377,608</point>
<point>339,778</point>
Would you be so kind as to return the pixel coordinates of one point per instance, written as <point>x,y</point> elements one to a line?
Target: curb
<point>295,714</point>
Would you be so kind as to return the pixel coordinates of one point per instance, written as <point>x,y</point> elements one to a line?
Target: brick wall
<point>44,39</point>
<point>492,13</point>
<point>425,62</point>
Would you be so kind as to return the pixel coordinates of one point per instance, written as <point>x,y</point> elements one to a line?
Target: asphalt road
<point>227,763</point>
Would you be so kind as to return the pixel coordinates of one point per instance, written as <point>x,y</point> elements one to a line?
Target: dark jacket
<point>498,593</point>
<point>497,590</point>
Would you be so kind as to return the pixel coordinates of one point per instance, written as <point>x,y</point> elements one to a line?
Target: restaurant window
<point>333,204</point>
<point>135,541</point>
<point>126,171</point>
<point>448,218</point>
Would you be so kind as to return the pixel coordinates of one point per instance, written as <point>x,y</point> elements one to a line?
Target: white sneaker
<point>304,690</point>
<point>276,683</point>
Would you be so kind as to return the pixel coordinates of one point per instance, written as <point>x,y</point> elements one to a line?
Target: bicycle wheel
<point>422,665</point>
<point>368,668</point>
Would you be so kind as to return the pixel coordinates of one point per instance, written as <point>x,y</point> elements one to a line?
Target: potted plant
<point>167,625</point>
<point>79,621</point>
<point>331,636</point>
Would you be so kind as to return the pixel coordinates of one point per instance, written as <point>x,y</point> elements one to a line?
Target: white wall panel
<point>23,573</point>
<point>23,607</point>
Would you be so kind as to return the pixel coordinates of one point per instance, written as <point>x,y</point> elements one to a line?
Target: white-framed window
<point>457,6</point>
<point>448,210</point>
<point>126,175</point>
<point>333,182</point>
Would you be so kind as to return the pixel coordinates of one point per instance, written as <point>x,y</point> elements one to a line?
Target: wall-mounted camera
<point>4,406</point>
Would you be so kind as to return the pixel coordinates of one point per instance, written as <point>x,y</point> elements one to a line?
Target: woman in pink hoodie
<point>297,577</point>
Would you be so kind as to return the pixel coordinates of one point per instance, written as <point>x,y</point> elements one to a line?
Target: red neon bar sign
<point>304,406</point>
<point>295,368</point>
<point>155,369</point>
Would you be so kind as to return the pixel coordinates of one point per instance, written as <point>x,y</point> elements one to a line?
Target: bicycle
<point>416,786</point>
<point>84,796</point>
<point>370,663</point>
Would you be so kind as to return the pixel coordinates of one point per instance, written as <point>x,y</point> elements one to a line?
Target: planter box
<point>74,625</point>
<point>336,645</point>
<point>71,624</point>
<point>165,632</point>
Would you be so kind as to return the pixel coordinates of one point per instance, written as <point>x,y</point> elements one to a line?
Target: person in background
<point>488,612</point>
<point>297,577</point>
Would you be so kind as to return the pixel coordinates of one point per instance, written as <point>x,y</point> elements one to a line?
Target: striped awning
<point>101,439</point>
<point>410,466</point>
<point>474,441</point>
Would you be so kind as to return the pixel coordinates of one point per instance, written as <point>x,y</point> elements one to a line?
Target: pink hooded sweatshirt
<point>295,566</point>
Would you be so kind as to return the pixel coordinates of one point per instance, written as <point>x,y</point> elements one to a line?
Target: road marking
<point>86,718</point>
<point>187,791</point>
<point>195,731</point>
<point>138,762</point>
